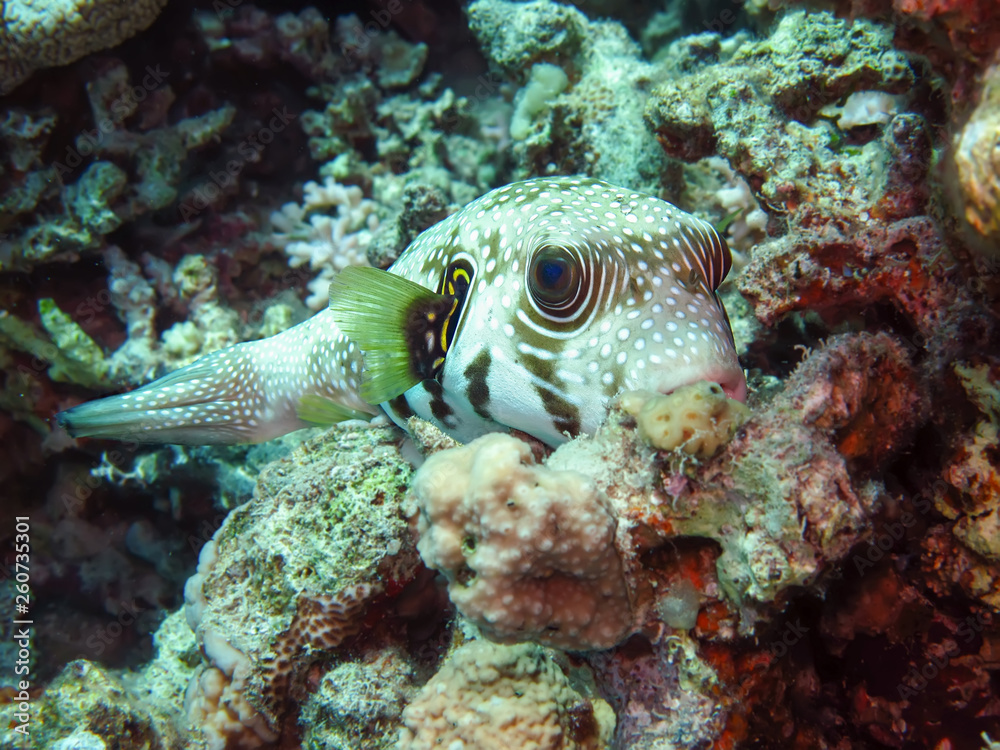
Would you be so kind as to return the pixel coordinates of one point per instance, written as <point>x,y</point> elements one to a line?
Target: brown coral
<point>529,553</point>
<point>321,624</point>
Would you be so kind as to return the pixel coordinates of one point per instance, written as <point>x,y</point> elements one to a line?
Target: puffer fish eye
<point>554,280</point>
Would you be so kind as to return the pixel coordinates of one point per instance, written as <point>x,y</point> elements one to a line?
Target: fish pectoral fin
<point>396,323</point>
<point>325,411</point>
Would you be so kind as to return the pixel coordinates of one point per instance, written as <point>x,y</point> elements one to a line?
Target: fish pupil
<point>554,277</point>
<point>551,273</point>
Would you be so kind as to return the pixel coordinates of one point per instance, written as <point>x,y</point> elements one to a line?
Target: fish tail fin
<point>212,400</point>
<point>196,404</point>
<point>247,393</point>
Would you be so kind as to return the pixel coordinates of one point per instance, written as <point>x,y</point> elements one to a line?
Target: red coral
<point>840,268</point>
<point>971,24</point>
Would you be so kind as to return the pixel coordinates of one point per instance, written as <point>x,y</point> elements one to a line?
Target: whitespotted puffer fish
<point>528,309</point>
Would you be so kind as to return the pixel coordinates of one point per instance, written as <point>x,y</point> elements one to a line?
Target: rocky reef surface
<point>820,569</point>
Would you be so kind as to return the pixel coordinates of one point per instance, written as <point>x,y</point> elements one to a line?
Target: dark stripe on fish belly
<point>565,416</point>
<point>439,407</point>
<point>401,407</point>
<point>478,390</point>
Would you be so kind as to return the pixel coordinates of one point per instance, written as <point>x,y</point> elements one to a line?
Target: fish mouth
<point>733,385</point>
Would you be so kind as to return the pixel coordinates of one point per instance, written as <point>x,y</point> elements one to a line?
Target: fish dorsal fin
<point>396,323</point>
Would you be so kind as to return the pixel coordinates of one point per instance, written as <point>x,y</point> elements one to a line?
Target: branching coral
<point>328,242</point>
<point>111,175</point>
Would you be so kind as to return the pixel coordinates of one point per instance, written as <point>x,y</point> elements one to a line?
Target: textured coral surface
<point>42,33</point>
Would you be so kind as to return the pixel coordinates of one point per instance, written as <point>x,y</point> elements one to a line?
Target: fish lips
<point>731,379</point>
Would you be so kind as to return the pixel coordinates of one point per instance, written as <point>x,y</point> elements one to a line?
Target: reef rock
<point>291,575</point>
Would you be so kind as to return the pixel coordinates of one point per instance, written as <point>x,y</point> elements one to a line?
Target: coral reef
<point>360,700</point>
<point>490,696</point>
<point>426,134</point>
<point>529,553</point>
<point>39,34</point>
<point>971,25</point>
<point>88,706</point>
<point>348,485</point>
<point>74,357</point>
<point>977,164</point>
<point>849,225</point>
<point>969,493</point>
<point>592,125</point>
<point>835,269</point>
<point>73,215</point>
<point>728,104</point>
<point>822,571</point>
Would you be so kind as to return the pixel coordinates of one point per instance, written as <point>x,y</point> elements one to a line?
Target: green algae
<point>81,361</point>
<point>72,355</point>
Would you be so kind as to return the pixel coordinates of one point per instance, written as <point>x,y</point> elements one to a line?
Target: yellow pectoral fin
<point>387,317</point>
<point>323,411</point>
